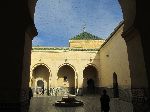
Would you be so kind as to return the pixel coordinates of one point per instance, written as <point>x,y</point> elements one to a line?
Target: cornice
<point>61,48</point>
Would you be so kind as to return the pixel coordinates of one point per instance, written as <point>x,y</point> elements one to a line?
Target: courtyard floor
<point>91,104</point>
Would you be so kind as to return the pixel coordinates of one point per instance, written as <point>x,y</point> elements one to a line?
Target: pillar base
<point>80,92</point>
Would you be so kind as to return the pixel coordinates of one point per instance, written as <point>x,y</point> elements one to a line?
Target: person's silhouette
<point>105,102</point>
<point>42,90</point>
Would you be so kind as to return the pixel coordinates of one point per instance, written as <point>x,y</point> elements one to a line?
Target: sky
<point>59,20</point>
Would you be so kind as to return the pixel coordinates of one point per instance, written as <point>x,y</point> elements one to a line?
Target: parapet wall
<point>86,44</point>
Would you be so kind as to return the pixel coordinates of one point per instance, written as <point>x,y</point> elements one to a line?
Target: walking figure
<point>105,102</point>
<point>42,90</point>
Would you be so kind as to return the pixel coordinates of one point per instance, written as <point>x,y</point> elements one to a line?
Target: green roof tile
<point>86,36</point>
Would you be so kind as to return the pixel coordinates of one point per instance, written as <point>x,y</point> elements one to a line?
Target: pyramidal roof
<point>86,36</point>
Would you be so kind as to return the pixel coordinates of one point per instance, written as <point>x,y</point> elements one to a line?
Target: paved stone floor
<point>91,104</point>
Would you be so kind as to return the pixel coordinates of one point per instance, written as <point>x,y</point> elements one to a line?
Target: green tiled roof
<point>86,36</point>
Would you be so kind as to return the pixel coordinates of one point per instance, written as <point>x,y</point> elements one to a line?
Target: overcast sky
<point>59,20</point>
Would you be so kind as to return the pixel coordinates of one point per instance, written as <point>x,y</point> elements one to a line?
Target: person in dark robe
<point>105,102</point>
<point>42,90</point>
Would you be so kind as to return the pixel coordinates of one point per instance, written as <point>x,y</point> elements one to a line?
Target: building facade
<point>85,67</point>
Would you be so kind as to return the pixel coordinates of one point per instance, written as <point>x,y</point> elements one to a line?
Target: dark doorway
<point>115,86</point>
<point>40,87</point>
<point>90,86</point>
<point>40,83</point>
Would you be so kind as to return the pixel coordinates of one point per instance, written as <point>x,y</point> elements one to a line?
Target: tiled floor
<point>91,104</point>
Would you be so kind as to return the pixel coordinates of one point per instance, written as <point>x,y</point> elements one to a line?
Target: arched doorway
<point>40,79</point>
<point>66,79</point>
<point>90,81</point>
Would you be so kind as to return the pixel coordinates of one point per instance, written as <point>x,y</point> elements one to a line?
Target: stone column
<point>76,82</point>
<point>48,82</point>
<point>80,82</point>
<point>137,67</point>
<point>35,85</point>
<point>54,80</point>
